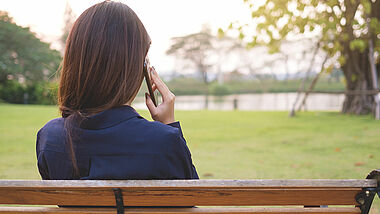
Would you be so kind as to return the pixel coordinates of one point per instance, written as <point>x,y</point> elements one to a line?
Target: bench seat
<point>264,210</point>
<point>199,196</point>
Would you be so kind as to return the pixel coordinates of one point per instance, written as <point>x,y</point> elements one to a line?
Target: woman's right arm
<point>180,163</point>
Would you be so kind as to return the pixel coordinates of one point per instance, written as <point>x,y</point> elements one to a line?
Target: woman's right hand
<point>164,112</point>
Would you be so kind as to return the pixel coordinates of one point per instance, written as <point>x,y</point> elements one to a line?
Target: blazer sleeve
<point>179,156</point>
<point>41,159</point>
<point>42,165</point>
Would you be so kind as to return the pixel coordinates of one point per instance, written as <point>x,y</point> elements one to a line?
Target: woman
<point>100,136</point>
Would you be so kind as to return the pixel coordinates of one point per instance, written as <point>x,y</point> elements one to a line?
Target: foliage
<point>23,54</point>
<point>26,65</point>
<point>190,86</point>
<point>219,89</point>
<point>187,86</point>
<point>344,29</point>
<point>12,91</point>
<point>44,93</point>
<point>203,51</point>
<point>195,48</point>
<point>334,21</point>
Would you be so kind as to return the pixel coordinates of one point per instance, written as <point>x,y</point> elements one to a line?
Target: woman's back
<point>115,144</point>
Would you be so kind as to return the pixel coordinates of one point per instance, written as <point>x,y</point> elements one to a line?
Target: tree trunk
<point>358,78</point>
<point>357,67</point>
<point>203,71</point>
<point>301,87</point>
<point>312,85</point>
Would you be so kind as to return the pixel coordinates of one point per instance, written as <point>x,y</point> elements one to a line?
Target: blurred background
<point>264,88</point>
<point>217,55</point>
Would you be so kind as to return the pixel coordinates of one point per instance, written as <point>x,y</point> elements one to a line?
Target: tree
<point>345,29</point>
<point>204,51</point>
<point>194,48</point>
<point>68,19</point>
<point>23,55</point>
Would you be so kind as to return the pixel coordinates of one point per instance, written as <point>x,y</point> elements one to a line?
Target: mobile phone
<point>146,71</point>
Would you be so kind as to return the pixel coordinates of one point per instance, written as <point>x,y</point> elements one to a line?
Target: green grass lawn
<point>230,144</point>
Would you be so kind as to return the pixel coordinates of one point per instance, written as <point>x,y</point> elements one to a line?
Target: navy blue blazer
<point>115,144</point>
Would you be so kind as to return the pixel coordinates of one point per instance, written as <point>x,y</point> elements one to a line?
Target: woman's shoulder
<point>50,133</point>
<point>54,125</point>
<point>157,130</point>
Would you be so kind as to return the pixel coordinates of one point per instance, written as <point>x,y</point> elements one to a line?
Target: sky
<point>163,19</point>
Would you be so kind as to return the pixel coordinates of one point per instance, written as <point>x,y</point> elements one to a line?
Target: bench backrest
<point>184,192</point>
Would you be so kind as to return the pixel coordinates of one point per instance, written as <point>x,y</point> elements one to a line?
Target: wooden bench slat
<point>181,196</point>
<point>183,193</point>
<point>207,183</point>
<point>299,210</point>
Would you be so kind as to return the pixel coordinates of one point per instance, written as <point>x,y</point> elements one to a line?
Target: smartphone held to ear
<point>147,74</point>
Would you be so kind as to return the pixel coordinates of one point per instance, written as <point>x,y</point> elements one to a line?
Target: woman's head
<point>103,61</point>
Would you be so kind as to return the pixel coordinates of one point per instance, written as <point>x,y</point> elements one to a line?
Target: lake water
<point>255,102</point>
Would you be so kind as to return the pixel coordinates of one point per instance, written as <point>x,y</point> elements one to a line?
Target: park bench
<point>181,196</point>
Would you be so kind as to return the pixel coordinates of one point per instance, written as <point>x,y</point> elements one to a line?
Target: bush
<point>219,90</point>
<point>38,93</point>
<point>187,86</point>
<point>44,93</point>
<point>12,92</point>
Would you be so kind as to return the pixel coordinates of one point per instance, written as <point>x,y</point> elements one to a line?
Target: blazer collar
<point>109,118</point>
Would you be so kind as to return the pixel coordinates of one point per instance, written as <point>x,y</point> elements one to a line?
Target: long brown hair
<point>102,66</point>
